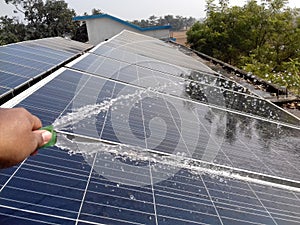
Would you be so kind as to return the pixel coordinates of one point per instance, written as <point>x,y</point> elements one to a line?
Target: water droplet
<point>132,197</point>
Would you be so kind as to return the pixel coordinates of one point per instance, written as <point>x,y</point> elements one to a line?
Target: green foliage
<point>177,22</point>
<point>81,32</point>
<point>96,11</point>
<point>288,76</point>
<point>262,39</point>
<point>11,30</point>
<point>48,18</point>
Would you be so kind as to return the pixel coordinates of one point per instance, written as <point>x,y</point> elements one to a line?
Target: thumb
<point>42,137</point>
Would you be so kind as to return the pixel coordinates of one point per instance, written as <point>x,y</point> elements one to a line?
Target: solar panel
<point>60,45</point>
<point>203,164</point>
<point>11,80</point>
<point>96,64</point>
<point>3,90</point>
<point>31,59</point>
<point>182,82</point>
<point>142,50</point>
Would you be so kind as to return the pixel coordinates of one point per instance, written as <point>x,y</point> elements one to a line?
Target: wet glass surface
<point>181,156</point>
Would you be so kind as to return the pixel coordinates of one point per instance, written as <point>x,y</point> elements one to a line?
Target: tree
<point>80,33</point>
<point>263,39</point>
<point>11,30</point>
<point>96,11</point>
<point>45,19</point>
<point>153,20</point>
<point>188,22</point>
<point>177,22</point>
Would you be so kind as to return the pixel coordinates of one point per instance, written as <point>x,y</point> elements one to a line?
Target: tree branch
<point>19,9</point>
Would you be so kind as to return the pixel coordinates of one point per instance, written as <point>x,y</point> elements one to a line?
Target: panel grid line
<point>113,219</point>
<point>28,219</point>
<point>38,205</point>
<point>205,104</point>
<point>184,220</point>
<point>6,183</point>
<point>230,178</point>
<point>212,202</point>
<point>273,150</point>
<point>214,141</point>
<point>149,164</point>
<point>35,212</point>
<point>86,190</point>
<point>163,72</point>
<point>262,204</point>
<point>44,194</point>
<point>50,184</point>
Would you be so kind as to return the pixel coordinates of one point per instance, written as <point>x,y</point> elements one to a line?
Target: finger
<point>42,137</point>
<point>36,122</point>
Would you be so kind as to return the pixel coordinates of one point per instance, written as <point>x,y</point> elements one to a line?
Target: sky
<point>139,9</point>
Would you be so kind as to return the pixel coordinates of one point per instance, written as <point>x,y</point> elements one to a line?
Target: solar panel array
<point>23,62</point>
<point>188,139</point>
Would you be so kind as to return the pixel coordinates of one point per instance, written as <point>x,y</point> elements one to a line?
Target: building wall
<point>100,29</point>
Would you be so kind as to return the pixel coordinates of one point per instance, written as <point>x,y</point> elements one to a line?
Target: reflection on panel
<point>155,147</point>
<point>202,87</point>
<point>148,119</point>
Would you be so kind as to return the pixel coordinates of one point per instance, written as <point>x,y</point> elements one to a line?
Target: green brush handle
<point>53,139</point>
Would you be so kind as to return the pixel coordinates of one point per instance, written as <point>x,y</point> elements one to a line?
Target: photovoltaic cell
<point>3,90</point>
<point>23,61</point>
<point>11,80</point>
<point>110,202</point>
<point>40,50</point>
<point>187,84</point>
<point>61,44</point>
<point>165,187</point>
<point>33,58</point>
<point>140,51</point>
<point>96,65</point>
<point>28,53</point>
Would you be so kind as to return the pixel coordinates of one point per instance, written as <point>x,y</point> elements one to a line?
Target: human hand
<point>19,136</point>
